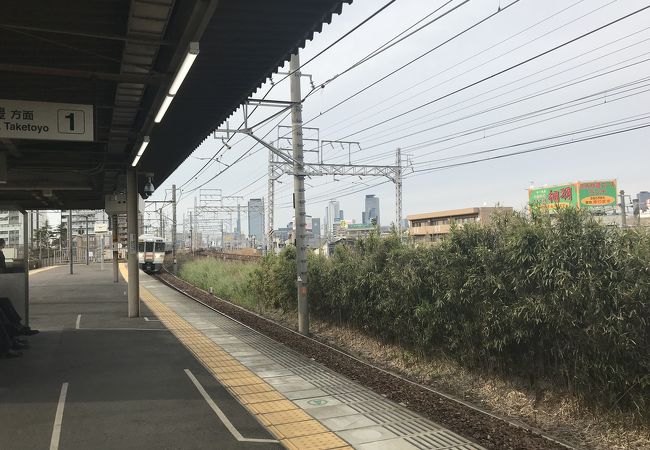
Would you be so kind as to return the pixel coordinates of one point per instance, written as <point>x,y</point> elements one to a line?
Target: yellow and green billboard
<point>554,197</point>
<point>594,194</point>
<point>583,194</point>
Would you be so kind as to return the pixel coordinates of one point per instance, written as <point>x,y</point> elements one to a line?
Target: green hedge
<point>563,298</point>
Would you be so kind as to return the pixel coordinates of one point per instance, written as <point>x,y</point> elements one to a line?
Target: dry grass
<point>555,413</point>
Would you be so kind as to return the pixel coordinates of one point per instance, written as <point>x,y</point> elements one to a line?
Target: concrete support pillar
<point>132,230</point>
<point>115,252</point>
<point>26,258</point>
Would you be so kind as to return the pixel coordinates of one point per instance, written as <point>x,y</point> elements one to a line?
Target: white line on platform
<point>78,321</point>
<point>147,319</point>
<point>58,418</point>
<point>236,434</point>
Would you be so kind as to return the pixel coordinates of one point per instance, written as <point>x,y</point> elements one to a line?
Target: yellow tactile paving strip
<point>42,269</point>
<point>292,426</point>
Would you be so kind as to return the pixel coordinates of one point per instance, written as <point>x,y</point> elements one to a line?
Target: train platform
<point>181,376</point>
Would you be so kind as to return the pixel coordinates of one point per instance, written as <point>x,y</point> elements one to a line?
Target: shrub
<point>558,297</point>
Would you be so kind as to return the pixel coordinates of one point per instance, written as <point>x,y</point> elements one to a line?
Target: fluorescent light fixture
<point>183,70</point>
<point>163,108</point>
<point>143,147</point>
<point>191,55</point>
<point>145,142</point>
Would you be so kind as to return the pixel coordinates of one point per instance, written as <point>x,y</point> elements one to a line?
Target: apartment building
<point>430,227</point>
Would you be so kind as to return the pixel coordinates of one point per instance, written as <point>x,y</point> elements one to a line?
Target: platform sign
<point>22,119</point>
<point>101,228</point>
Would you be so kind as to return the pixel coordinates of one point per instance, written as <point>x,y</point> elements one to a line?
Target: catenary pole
<point>191,235</point>
<point>299,195</point>
<point>398,193</point>
<point>174,228</point>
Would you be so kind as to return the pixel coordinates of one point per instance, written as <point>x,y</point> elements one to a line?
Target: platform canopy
<point>81,82</point>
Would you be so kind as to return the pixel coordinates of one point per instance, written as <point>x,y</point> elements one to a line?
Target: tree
<point>59,236</point>
<point>42,237</point>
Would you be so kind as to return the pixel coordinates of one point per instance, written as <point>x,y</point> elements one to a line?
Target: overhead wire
<point>572,82</point>
<point>393,41</point>
<point>559,86</point>
<point>492,59</point>
<point>410,62</point>
<point>536,149</point>
<point>399,93</point>
<point>511,119</point>
<point>500,72</point>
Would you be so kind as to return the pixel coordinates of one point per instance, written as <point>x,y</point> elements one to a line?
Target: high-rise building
<point>256,219</point>
<point>372,209</point>
<point>11,228</point>
<point>333,214</point>
<point>315,226</point>
<point>644,200</point>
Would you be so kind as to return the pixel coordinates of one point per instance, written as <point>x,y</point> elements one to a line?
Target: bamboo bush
<point>561,298</point>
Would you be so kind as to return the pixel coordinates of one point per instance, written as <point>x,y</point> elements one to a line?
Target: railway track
<point>486,428</point>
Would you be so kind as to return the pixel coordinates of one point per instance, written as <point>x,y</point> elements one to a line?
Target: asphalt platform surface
<point>127,381</point>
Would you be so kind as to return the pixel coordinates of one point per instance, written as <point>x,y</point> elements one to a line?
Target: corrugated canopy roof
<point>120,56</point>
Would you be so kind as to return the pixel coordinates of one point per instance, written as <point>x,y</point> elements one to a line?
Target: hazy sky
<point>590,90</point>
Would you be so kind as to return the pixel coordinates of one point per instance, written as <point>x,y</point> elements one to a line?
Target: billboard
<point>554,197</point>
<point>583,194</point>
<point>597,193</point>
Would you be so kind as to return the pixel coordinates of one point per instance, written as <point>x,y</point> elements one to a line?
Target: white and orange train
<point>151,253</point>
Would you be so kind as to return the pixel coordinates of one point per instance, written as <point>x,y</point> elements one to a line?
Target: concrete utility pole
<point>398,193</point>
<point>299,195</point>
<point>115,252</point>
<point>623,212</point>
<point>70,240</point>
<point>132,229</point>
<point>174,228</point>
<point>87,243</point>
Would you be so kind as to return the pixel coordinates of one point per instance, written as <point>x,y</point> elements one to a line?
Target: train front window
<point>141,247</point>
<point>160,246</point>
<point>149,246</point>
